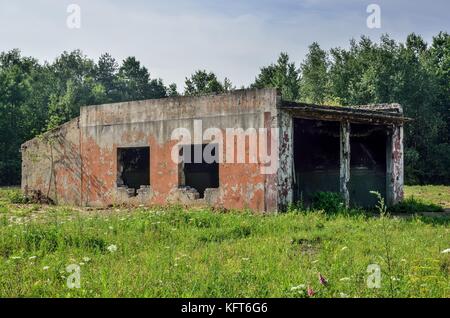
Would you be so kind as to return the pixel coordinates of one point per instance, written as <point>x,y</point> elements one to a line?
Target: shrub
<point>16,196</point>
<point>330,202</point>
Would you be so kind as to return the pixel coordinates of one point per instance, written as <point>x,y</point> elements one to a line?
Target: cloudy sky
<point>233,38</point>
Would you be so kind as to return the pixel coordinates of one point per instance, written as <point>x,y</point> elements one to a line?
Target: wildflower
<point>86,259</point>
<point>16,257</point>
<point>112,248</point>
<point>343,295</point>
<point>45,268</point>
<point>310,292</point>
<point>446,251</point>
<point>245,259</point>
<point>323,280</point>
<point>81,263</point>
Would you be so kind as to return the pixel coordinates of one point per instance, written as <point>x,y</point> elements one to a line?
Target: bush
<point>413,205</point>
<point>330,202</point>
<point>16,196</point>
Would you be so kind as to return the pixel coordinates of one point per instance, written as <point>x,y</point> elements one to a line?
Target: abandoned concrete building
<point>122,153</point>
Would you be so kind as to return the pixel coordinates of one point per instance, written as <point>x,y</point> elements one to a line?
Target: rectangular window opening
<point>133,168</point>
<point>200,167</point>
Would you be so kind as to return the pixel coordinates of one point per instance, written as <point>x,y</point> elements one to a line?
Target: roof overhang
<point>358,114</point>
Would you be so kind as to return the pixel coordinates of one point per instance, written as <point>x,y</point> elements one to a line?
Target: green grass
<point>173,252</point>
<point>414,205</point>
<point>439,195</point>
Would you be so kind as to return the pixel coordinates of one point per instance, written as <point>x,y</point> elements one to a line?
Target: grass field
<point>197,253</point>
<point>431,194</point>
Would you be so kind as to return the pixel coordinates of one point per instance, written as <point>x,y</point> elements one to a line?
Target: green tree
<point>203,82</point>
<point>16,74</point>
<point>172,90</point>
<point>314,79</point>
<point>73,85</point>
<point>106,73</point>
<point>136,84</point>
<point>283,75</point>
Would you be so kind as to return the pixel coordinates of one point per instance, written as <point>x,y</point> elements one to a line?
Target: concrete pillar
<point>345,161</point>
<point>394,166</point>
<point>286,160</point>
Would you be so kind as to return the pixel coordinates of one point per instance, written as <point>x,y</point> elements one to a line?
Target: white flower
<point>86,259</point>
<point>343,295</point>
<point>16,257</point>
<point>245,259</point>
<point>81,263</point>
<point>446,251</point>
<point>45,268</point>
<point>112,248</point>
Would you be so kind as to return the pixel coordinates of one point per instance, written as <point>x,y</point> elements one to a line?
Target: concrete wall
<point>85,155</point>
<point>51,164</point>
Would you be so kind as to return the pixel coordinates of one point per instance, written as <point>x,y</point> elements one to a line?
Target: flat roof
<point>373,114</point>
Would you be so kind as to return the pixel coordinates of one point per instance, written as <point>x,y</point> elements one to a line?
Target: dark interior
<point>133,167</point>
<point>198,173</point>
<point>316,158</point>
<point>367,163</point>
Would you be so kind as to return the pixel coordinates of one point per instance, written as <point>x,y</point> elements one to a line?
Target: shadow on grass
<point>434,220</point>
<point>413,205</point>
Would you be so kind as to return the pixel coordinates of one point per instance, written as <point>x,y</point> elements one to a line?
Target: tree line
<point>36,97</point>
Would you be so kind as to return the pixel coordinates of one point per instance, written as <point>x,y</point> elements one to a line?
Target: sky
<point>232,38</point>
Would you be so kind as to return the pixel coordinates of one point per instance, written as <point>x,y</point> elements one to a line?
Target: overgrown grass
<point>173,252</point>
<point>12,195</point>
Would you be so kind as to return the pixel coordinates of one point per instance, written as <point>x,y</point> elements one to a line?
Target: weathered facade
<point>122,153</point>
